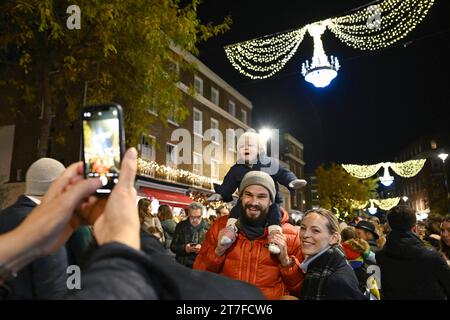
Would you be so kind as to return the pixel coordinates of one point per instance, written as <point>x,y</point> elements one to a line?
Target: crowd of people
<point>126,251</point>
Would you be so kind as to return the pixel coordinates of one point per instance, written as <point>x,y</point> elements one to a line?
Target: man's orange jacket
<point>250,260</point>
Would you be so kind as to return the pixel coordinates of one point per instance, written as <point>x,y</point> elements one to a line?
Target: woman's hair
<point>347,234</point>
<point>164,212</point>
<point>445,249</point>
<point>143,205</point>
<point>332,221</point>
<point>218,209</point>
<point>153,230</point>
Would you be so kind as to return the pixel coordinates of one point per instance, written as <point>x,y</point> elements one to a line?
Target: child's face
<point>249,151</point>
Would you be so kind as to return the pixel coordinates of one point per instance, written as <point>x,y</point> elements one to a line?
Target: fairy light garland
<point>409,168</point>
<point>153,169</point>
<point>362,171</point>
<point>383,204</point>
<point>262,58</point>
<point>405,169</point>
<point>399,17</point>
<point>202,198</point>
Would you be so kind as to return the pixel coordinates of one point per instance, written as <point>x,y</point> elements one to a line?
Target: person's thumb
<point>128,169</point>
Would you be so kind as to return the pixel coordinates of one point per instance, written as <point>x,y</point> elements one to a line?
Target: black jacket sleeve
<point>283,175</point>
<point>442,272</point>
<point>229,185</point>
<point>49,276</point>
<point>343,285</point>
<point>116,271</point>
<point>178,246</point>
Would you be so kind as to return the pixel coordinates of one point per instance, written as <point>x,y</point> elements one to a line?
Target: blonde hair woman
<point>328,276</point>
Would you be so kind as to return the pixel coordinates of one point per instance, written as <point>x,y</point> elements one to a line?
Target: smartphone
<point>102,144</point>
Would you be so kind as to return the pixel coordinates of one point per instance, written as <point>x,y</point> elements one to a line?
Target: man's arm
<point>207,259</point>
<point>178,246</point>
<point>117,271</point>
<point>290,258</point>
<point>49,275</point>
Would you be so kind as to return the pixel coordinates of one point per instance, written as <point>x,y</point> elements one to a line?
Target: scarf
<point>252,230</point>
<point>318,271</point>
<point>195,231</point>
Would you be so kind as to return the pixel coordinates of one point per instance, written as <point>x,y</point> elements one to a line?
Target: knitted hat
<point>254,138</point>
<point>259,178</point>
<point>401,218</point>
<point>41,174</point>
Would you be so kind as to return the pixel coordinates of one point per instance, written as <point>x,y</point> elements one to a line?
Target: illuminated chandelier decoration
<point>322,69</point>
<point>371,28</point>
<point>383,204</point>
<point>405,169</point>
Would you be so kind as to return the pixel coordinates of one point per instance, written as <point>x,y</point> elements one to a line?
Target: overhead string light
<point>396,19</point>
<point>383,204</point>
<point>262,58</point>
<point>405,169</point>
<point>370,28</point>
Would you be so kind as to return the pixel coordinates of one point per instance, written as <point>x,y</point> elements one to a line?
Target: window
<point>171,117</point>
<point>231,140</point>
<point>232,108</point>
<point>148,147</point>
<point>197,167</point>
<point>215,130</point>
<point>198,122</point>
<point>174,67</point>
<point>171,155</point>
<point>214,169</point>
<point>198,84</point>
<point>433,144</point>
<point>243,116</point>
<point>215,96</point>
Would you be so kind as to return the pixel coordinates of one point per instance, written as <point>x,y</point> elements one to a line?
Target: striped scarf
<point>318,272</point>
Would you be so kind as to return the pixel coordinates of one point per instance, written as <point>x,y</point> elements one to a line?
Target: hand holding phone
<point>102,144</point>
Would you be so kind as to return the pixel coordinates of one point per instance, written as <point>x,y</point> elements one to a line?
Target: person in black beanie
<point>408,269</point>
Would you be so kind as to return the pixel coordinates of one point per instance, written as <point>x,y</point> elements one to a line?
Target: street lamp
<point>443,157</point>
<point>265,134</point>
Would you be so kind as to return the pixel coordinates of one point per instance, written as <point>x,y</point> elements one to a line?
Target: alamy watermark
<point>74,279</point>
<point>374,20</point>
<point>225,150</point>
<point>74,20</point>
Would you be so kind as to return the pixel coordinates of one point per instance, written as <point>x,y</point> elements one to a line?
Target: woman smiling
<point>328,276</point>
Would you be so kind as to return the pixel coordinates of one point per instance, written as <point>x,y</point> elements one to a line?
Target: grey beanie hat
<point>259,178</point>
<point>41,174</point>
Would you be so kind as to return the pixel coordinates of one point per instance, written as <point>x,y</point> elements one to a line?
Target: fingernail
<point>132,154</point>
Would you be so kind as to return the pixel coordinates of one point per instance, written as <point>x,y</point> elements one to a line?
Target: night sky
<point>380,101</point>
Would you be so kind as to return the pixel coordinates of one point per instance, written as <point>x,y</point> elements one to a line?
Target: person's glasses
<point>195,217</point>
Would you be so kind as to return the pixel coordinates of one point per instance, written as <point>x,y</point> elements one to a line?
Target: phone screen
<point>101,145</point>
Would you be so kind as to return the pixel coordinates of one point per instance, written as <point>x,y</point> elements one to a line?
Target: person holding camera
<point>189,235</point>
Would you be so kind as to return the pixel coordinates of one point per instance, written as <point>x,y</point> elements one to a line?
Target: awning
<point>167,197</point>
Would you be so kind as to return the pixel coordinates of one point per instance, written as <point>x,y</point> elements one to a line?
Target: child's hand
<point>214,197</point>
<point>297,184</point>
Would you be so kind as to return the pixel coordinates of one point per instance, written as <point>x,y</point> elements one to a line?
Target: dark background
<point>380,101</point>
